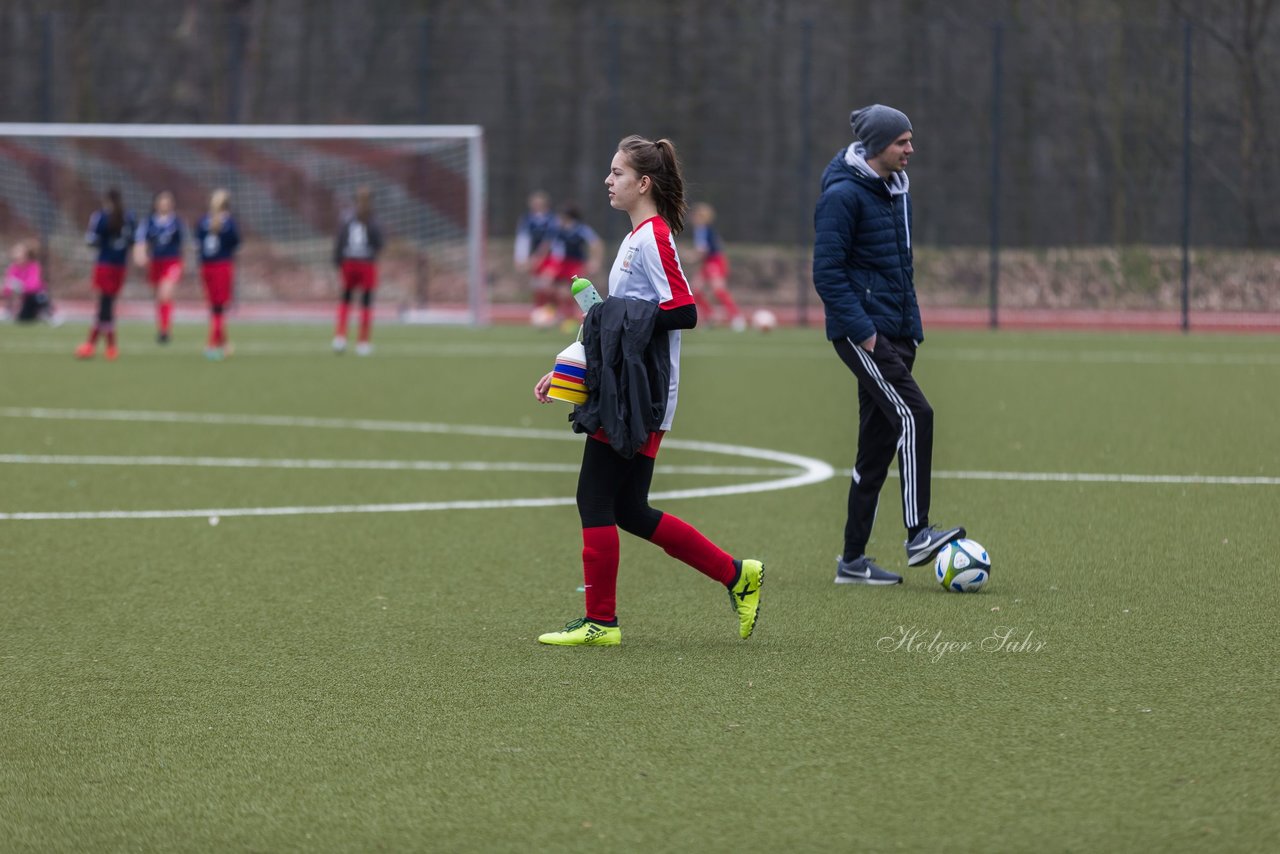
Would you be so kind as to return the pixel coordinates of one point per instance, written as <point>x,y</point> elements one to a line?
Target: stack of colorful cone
<point>568,378</point>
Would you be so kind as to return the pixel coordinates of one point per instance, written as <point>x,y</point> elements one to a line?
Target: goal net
<point>290,186</point>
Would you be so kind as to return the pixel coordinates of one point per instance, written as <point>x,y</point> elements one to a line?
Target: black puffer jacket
<point>862,260</point>
<point>628,374</point>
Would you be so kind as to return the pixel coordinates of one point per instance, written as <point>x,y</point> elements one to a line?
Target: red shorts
<point>108,279</point>
<point>359,274</point>
<point>567,269</point>
<point>716,267</point>
<point>164,270</point>
<point>547,266</point>
<point>648,449</point>
<point>217,276</point>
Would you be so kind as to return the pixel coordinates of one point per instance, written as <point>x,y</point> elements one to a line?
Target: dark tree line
<point>756,93</point>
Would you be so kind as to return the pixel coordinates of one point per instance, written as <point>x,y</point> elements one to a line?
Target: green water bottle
<point>585,293</point>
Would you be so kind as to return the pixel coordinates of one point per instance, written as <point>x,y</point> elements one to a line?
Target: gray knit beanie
<point>877,126</point>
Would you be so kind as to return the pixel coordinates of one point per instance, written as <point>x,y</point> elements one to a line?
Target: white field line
<point>320,348</point>
<point>803,470</point>
<point>213,418</point>
<point>1086,477</point>
<point>356,465</point>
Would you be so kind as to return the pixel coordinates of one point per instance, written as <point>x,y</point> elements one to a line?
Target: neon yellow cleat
<point>745,596</point>
<point>584,632</point>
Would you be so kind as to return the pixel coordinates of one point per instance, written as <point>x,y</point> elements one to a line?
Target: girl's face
<point>164,204</point>
<point>626,187</point>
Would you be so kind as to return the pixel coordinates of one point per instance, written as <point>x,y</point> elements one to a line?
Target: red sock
<point>704,307</point>
<point>366,321</point>
<point>600,571</point>
<point>216,334</point>
<point>111,336</point>
<point>344,310</point>
<point>685,543</point>
<point>164,314</point>
<point>730,306</point>
<point>93,334</point>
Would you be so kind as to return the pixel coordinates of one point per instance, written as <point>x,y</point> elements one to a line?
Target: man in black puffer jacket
<point>862,269</point>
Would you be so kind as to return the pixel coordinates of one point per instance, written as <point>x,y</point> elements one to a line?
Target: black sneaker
<point>863,570</point>
<point>925,545</point>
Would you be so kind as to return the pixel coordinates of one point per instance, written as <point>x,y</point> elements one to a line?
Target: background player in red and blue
<point>355,252</point>
<point>713,266</point>
<point>532,253</point>
<point>110,231</point>
<point>159,245</point>
<point>577,251</point>
<point>218,239</point>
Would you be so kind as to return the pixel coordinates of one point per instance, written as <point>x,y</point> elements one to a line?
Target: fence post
<point>612,123</point>
<point>46,115</point>
<point>804,216</point>
<point>1186,176</point>
<point>46,67</point>
<point>236,35</point>
<point>424,68</point>
<point>997,74</point>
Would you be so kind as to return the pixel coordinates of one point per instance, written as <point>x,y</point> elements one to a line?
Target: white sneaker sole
<point>924,557</point>
<point>874,582</point>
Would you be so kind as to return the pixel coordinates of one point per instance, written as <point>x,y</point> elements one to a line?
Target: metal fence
<point>1067,160</point>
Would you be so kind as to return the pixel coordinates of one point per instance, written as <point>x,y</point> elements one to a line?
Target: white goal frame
<point>477,298</point>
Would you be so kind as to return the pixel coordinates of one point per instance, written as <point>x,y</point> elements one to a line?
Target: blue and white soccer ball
<point>962,566</point>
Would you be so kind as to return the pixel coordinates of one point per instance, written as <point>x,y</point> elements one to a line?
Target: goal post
<point>290,187</point>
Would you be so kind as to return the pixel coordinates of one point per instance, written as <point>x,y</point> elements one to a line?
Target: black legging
<point>366,298</point>
<point>106,308</point>
<point>614,490</point>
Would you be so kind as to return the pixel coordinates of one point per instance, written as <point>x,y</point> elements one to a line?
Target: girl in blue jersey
<point>613,487</point>
<point>355,252</point>
<point>159,245</point>
<point>713,266</point>
<point>577,251</point>
<point>533,255</point>
<point>218,239</point>
<point>111,233</point>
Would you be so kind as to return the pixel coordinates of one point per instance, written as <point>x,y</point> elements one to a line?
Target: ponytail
<point>660,162</point>
<point>115,211</point>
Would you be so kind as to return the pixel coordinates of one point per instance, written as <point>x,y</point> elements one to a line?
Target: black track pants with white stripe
<point>893,417</point>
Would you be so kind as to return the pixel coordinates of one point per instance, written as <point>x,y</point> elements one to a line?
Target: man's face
<point>894,158</point>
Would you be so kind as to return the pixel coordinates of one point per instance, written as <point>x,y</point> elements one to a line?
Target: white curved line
<point>353,465</point>
<point>809,470</point>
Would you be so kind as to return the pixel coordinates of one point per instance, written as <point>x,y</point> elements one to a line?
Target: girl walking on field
<point>713,266</point>
<point>160,250</point>
<point>649,302</point>
<point>218,239</point>
<point>110,232</point>
<point>355,252</point>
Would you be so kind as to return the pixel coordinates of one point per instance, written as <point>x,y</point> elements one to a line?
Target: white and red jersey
<point>648,268</point>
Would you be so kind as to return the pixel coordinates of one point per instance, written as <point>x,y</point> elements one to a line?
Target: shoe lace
<point>575,624</point>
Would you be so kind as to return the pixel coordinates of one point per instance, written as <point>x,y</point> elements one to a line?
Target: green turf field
<point>366,681</point>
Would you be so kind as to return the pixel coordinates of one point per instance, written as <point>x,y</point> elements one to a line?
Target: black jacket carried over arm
<point>628,371</point>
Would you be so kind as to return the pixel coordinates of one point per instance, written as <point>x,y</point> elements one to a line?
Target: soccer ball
<point>763,320</point>
<point>962,566</point>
